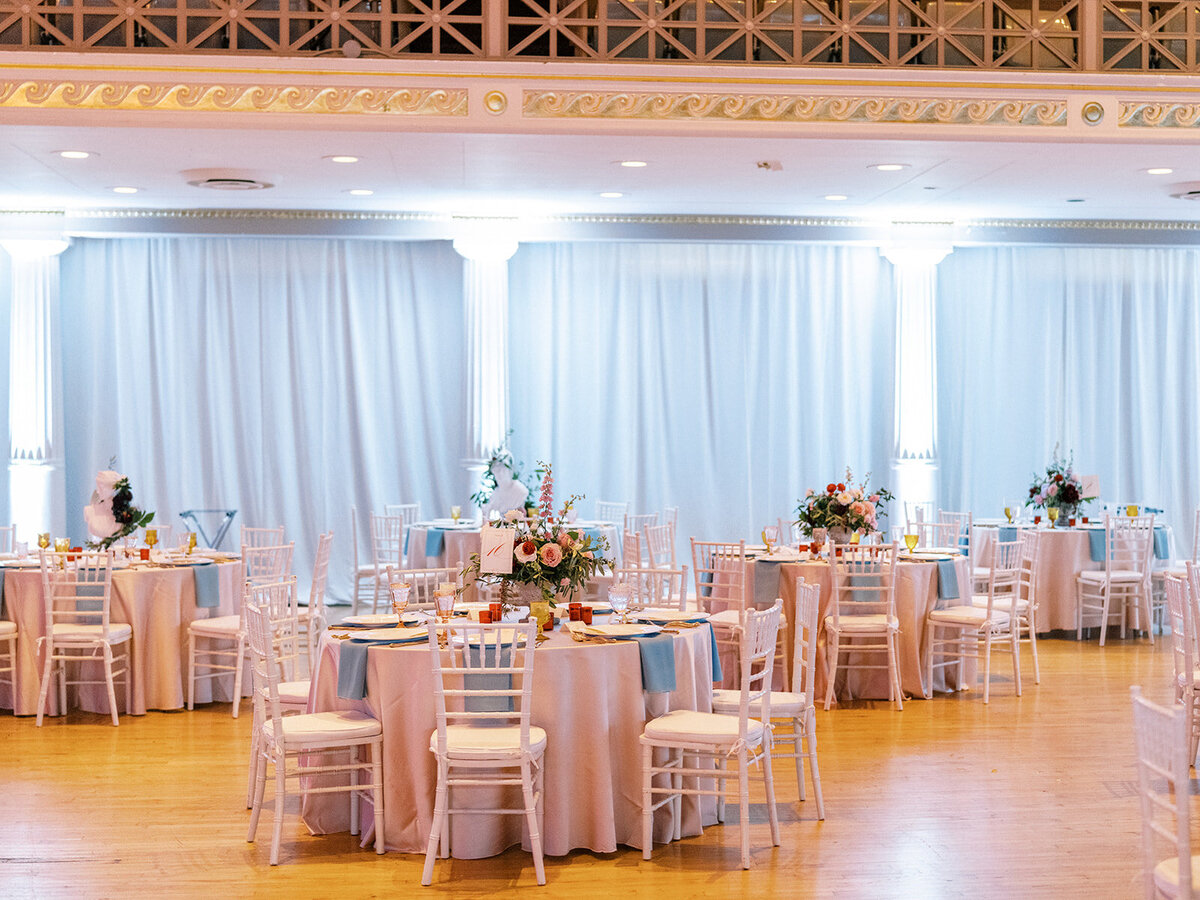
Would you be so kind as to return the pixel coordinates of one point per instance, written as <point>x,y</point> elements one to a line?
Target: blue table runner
<point>1097,543</point>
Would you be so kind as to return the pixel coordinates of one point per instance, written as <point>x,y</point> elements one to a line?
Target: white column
<point>914,457</point>
<point>485,289</point>
<point>36,485</point>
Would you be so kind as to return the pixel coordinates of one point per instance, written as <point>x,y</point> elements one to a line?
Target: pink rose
<point>526,551</point>
<point>1052,491</point>
<point>874,498</point>
<point>564,540</point>
<point>551,555</point>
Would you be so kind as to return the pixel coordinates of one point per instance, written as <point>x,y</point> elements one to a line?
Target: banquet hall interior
<point>907,285</point>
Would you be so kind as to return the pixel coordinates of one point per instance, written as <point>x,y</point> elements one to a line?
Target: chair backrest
<point>660,545</point>
<point>424,582</point>
<point>935,534</point>
<point>410,513</point>
<point>1129,541</point>
<point>320,576</point>
<point>917,513</point>
<point>963,522</point>
<point>1027,575</point>
<point>804,647</point>
<point>1161,737</point>
<point>1004,577</point>
<point>1196,538</point>
<point>487,674</point>
<point>864,580</point>
<point>631,550</point>
<point>760,630</point>
<point>670,516</point>
<point>611,511</point>
<point>77,588</point>
<point>267,562</point>
<point>8,538</point>
<point>264,667</point>
<point>664,588</point>
<point>640,522</point>
<point>277,599</point>
<point>719,569</point>
<point>387,541</point>
<point>1182,630</point>
<point>261,537</point>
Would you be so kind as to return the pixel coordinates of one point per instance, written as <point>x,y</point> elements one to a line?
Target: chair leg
<point>254,754</point>
<point>106,650</point>
<point>239,661</point>
<point>798,756</point>
<point>258,774</point>
<point>435,828</point>
<point>831,661</point>
<point>44,691</point>
<point>744,805</point>
<point>894,671</point>
<point>280,800</point>
<point>377,795</point>
<point>647,797</point>
<point>535,837</point>
<point>62,687</point>
<point>987,663</point>
<point>1037,675</point>
<point>677,800</point>
<point>769,787</point>
<point>814,770</point>
<point>191,671</point>
<point>1015,637</point>
<point>354,823</point>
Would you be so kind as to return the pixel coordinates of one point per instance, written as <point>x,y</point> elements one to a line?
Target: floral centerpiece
<point>1060,487</point>
<point>550,558</point>
<point>843,507</point>
<point>111,514</point>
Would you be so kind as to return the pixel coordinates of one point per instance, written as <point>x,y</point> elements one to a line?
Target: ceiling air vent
<point>228,180</point>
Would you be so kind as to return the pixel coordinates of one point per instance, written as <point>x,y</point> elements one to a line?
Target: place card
<point>496,550</point>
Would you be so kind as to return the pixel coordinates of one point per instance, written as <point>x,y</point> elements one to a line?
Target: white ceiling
<point>507,174</point>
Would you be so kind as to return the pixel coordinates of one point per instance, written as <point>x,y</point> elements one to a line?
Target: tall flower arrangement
<point>548,554</point>
<point>111,515</point>
<point>1059,487</point>
<point>843,504</point>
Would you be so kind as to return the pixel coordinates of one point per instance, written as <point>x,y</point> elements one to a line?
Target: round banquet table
<point>588,697</point>
<point>916,597</point>
<point>158,602</point>
<point>1062,554</point>
<point>459,542</point>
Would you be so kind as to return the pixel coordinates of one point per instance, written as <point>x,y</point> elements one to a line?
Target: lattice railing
<point>1091,35</point>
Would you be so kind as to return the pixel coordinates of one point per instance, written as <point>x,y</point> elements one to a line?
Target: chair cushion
<point>1166,875</point>
<point>729,618</point>
<point>784,704</point>
<point>8,628</point>
<point>221,626</point>
<point>863,624</point>
<point>967,615</point>
<point>346,725</point>
<point>483,741</point>
<point>1002,601</point>
<point>686,726</point>
<point>367,571</point>
<point>1117,575</point>
<point>294,693</point>
<point>117,632</point>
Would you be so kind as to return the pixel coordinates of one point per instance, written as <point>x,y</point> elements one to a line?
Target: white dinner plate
<point>376,620</point>
<point>928,556</point>
<point>666,616</point>
<point>390,635</point>
<point>616,629</point>
<point>21,564</point>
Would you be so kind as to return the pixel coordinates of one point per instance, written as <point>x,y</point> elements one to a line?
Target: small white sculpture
<point>508,493</point>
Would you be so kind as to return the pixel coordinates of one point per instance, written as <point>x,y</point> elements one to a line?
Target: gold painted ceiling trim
<point>257,98</point>
<point>1133,114</point>
<point>784,108</point>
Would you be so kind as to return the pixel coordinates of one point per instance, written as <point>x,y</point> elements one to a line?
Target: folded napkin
<point>658,662</point>
<point>718,675</point>
<point>89,590</point>
<point>1098,545</point>
<point>1162,550</point>
<point>208,586</point>
<point>435,542</point>
<point>1007,533</point>
<point>352,666</point>
<point>947,580</point>
<point>766,582</point>
<point>489,681</point>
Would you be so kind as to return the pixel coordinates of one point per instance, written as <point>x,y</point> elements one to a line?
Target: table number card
<point>496,550</point>
<point>1090,485</point>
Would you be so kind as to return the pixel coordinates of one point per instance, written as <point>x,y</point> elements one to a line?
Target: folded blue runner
<point>1007,533</point>
<point>208,586</point>
<point>352,666</point>
<point>718,674</point>
<point>435,542</point>
<point>766,583</point>
<point>658,662</point>
<point>501,681</point>
<point>947,579</point>
<point>1098,549</point>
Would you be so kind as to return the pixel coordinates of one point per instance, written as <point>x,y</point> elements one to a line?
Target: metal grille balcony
<point>1047,35</point>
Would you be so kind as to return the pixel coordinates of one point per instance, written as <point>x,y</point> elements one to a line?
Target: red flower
<point>1058,477</point>
<point>831,488</point>
<point>841,487</point>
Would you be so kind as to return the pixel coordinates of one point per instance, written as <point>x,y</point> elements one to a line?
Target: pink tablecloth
<point>589,699</point>
<point>158,602</point>
<point>916,597</point>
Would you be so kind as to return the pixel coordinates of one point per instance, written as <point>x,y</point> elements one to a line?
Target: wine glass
<point>911,541</point>
<point>151,537</point>
<point>618,599</point>
<point>62,545</point>
<point>191,542</point>
<point>1052,512</point>
<point>443,604</point>
<point>770,537</point>
<point>1009,512</point>
<point>456,513</point>
<point>43,540</point>
<point>400,591</point>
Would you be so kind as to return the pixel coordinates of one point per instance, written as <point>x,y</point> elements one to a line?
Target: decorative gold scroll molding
<point>257,98</point>
<point>784,108</point>
<point>1139,114</point>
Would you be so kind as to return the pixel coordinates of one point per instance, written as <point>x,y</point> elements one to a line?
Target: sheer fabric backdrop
<point>721,378</point>
<point>287,379</point>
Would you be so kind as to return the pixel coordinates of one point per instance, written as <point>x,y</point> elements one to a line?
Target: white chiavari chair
<point>731,742</point>
<point>483,688</point>
<point>308,740</point>
<point>364,573</point>
<point>631,550</point>
<point>261,537</point>
<point>387,549</point>
<point>77,592</point>
<point>1124,580</point>
<point>611,511</point>
<point>312,617</point>
<point>660,546</point>
<point>424,582</point>
<point>719,570</point>
<point>661,588</point>
<point>863,609</point>
<point>8,538</point>
<point>640,522</point>
<point>1181,616</point>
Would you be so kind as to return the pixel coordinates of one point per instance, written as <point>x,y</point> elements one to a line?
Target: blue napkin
<point>964,544</point>
<point>489,682</point>
<point>766,584</point>
<point>1161,548</point>
<point>947,580</point>
<point>208,586</point>
<point>407,531</point>
<point>718,675</point>
<point>352,666</point>
<point>435,542</point>
<point>706,584</point>
<point>1007,534</point>
<point>1098,549</point>
<point>658,662</point>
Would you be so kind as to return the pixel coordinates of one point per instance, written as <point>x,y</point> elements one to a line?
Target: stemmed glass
<point>770,537</point>
<point>911,541</point>
<point>1052,512</point>
<point>191,542</point>
<point>618,599</point>
<point>43,540</point>
<point>1009,512</point>
<point>456,513</point>
<point>443,604</point>
<point>151,537</point>
<point>400,591</point>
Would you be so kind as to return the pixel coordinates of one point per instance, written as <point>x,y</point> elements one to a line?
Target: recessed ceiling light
<point>1161,170</point>
<point>836,197</point>
<point>890,167</point>
<point>342,159</point>
<point>125,190</point>
<point>611,195</point>
<point>74,154</point>
<point>633,164</point>
<point>360,192</point>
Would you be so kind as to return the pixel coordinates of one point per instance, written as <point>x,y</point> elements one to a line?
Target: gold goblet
<point>1008,514</point>
<point>1052,512</point>
<point>43,540</point>
<point>911,541</point>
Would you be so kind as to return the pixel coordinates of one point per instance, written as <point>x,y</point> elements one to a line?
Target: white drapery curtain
<point>1091,349</point>
<point>721,378</point>
<point>287,379</point>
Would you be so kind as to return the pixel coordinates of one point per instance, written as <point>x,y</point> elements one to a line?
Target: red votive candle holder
<point>575,612</point>
<point>1085,520</point>
<point>485,617</point>
<point>1037,520</point>
<point>586,614</point>
<point>497,611</point>
<point>144,553</point>
<point>1071,521</point>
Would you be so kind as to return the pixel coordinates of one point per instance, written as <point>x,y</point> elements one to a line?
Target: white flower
<point>512,515</point>
<point>845,498</point>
